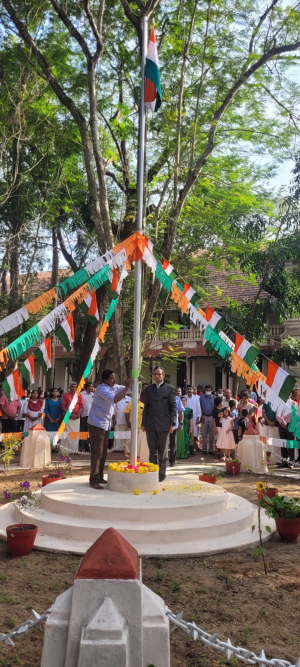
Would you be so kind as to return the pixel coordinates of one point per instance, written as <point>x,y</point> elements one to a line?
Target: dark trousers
<point>285,434</point>
<point>173,446</point>
<point>84,445</point>
<point>99,441</point>
<point>10,426</point>
<point>158,450</point>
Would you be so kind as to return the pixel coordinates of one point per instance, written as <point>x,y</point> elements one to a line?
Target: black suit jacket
<point>160,410</point>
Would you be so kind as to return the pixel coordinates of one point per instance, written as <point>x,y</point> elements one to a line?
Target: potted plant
<point>233,465</point>
<point>21,536</point>
<point>286,512</point>
<point>211,475</point>
<point>263,489</point>
<point>57,474</point>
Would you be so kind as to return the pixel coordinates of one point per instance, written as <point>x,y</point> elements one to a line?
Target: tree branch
<point>96,32</point>
<point>113,176</point>
<point>71,28</point>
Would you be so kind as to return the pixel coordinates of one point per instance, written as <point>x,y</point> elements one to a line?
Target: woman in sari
<point>33,411</point>
<point>184,437</point>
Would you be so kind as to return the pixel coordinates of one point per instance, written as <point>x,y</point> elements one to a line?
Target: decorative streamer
<point>217,342</point>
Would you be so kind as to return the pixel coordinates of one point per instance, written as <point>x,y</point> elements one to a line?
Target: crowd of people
<point>170,425</point>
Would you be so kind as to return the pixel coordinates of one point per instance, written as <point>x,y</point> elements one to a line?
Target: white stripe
<point>119,259</point>
<point>190,292</point>
<point>169,269</point>
<point>196,316</point>
<point>45,355</point>
<point>152,52</point>
<point>243,349</point>
<point>88,299</point>
<point>28,366</point>
<point>226,340</point>
<point>13,393</point>
<point>269,396</point>
<point>95,350</point>
<point>150,260</point>
<point>51,321</point>
<point>214,320</point>
<point>13,320</point>
<point>150,245</point>
<point>151,105</point>
<point>65,325</point>
<point>124,274</point>
<point>279,379</point>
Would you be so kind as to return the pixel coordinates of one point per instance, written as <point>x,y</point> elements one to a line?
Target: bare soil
<point>227,593</point>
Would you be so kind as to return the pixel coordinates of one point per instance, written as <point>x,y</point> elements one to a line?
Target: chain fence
<point>176,620</point>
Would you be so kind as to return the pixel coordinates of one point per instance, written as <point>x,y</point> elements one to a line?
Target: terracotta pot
<point>20,538</point>
<point>288,529</point>
<point>211,479</point>
<point>266,492</point>
<point>233,468</point>
<point>46,479</point>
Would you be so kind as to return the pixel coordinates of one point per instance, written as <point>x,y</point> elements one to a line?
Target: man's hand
<point>143,429</point>
<point>198,420</point>
<point>171,429</point>
<point>180,427</point>
<point>128,382</point>
<point>202,420</point>
<point>216,431</point>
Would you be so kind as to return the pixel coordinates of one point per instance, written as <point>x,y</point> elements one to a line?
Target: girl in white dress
<point>226,441</point>
<point>33,411</point>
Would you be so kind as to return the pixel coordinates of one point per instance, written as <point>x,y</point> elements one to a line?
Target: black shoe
<point>162,479</point>
<point>212,453</point>
<point>172,463</point>
<point>204,452</point>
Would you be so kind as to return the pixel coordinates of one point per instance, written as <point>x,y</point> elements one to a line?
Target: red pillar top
<point>110,557</point>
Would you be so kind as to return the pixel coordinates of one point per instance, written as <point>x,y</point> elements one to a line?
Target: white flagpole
<point>138,264</point>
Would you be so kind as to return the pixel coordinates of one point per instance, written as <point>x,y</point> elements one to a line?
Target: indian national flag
<point>280,381</point>
<point>112,285</point>
<point>90,308</point>
<point>168,268</point>
<point>245,350</point>
<point>44,355</point>
<point>12,386</point>
<point>27,370</point>
<point>65,332</point>
<point>190,294</point>
<point>152,83</point>
<point>214,320</point>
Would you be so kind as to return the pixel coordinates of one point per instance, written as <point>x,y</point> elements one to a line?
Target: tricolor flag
<point>44,355</point>
<point>245,350</point>
<point>12,386</point>
<point>191,295</point>
<point>90,308</point>
<point>27,370</point>
<point>280,381</point>
<point>170,271</point>
<point>112,285</point>
<point>214,320</point>
<point>65,332</point>
<point>152,75</point>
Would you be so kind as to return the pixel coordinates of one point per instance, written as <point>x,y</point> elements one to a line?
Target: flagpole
<point>138,263</point>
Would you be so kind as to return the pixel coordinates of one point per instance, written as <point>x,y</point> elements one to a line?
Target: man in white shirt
<point>120,424</point>
<point>87,395</point>
<point>193,402</point>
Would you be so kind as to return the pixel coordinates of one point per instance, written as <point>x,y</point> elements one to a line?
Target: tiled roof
<point>229,283</point>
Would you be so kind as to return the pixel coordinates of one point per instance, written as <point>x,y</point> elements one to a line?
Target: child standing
<point>226,440</point>
<point>234,414</point>
<point>243,423</point>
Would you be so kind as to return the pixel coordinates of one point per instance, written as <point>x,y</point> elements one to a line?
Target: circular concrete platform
<point>185,518</point>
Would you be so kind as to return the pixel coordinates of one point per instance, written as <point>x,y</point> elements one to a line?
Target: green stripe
<point>251,355</point>
<point>62,336</point>
<point>25,341</point>
<point>287,387</point>
<point>84,307</point>
<point>25,372</point>
<point>220,325</point>
<point>39,356</point>
<point>195,299</point>
<point>67,416</point>
<point>88,369</point>
<point>6,389</point>
<point>179,285</point>
<point>173,275</point>
<point>156,254</point>
<point>152,73</point>
<point>100,277</point>
<point>111,309</point>
<point>76,280</point>
<point>163,278</point>
<point>293,444</point>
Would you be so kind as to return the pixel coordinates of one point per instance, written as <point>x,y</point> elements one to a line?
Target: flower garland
<point>140,468</point>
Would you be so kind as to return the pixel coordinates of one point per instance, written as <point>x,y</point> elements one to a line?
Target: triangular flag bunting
<point>280,381</point>
<point>12,386</point>
<point>215,320</point>
<point>65,333</point>
<point>90,308</point>
<point>27,370</point>
<point>245,350</point>
<point>152,76</point>
<point>168,268</point>
<point>188,291</point>
<point>44,355</point>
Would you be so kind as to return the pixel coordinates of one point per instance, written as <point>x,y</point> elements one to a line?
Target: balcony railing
<point>193,335</point>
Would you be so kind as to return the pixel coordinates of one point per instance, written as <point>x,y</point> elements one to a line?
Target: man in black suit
<point>159,419</point>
